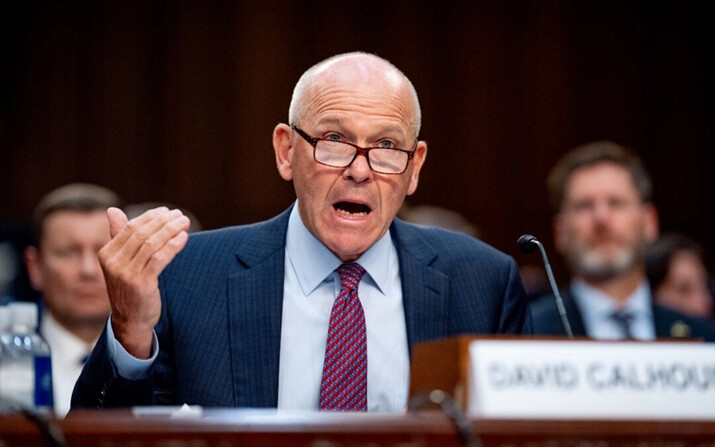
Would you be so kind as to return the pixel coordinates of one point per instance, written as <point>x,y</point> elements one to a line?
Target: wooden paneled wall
<point>176,100</point>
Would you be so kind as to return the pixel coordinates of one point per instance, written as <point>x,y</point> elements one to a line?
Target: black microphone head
<point>527,243</point>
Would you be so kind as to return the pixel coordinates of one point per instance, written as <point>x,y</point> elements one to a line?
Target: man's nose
<point>89,264</point>
<point>601,211</point>
<point>359,170</point>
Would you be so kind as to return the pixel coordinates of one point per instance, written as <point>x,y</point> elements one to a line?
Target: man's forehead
<point>592,178</point>
<point>64,220</point>
<point>345,89</point>
<point>77,214</point>
<point>594,172</point>
<point>346,122</point>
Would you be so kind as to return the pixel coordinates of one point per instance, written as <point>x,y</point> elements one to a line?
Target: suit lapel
<point>573,313</point>
<point>668,324</point>
<point>661,323</point>
<point>255,304</point>
<point>424,289</point>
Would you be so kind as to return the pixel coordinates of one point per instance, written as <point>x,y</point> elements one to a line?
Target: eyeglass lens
<point>339,155</point>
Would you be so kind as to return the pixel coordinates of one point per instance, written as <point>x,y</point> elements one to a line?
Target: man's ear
<point>651,222</point>
<point>34,268</point>
<point>417,162</point>
<point>283,147</point>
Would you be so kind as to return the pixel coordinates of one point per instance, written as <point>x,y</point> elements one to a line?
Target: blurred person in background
<point>8,271</point>
<point>604,221</point>
<point>70,226</point>
<point>14,283</point>
<point>436,216</point>
<point>675,265</point>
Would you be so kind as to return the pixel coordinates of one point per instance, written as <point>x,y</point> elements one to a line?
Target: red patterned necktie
<point>344,386</point>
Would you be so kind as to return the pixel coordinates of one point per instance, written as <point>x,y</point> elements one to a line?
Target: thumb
<point>117,220</point>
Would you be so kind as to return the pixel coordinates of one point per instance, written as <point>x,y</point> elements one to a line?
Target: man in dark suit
<point>603,224</point>
<point>248,316</point>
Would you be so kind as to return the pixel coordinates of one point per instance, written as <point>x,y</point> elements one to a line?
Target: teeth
<point>348,213</point>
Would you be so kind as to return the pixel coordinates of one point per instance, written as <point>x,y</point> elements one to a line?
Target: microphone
<point>528,244</point>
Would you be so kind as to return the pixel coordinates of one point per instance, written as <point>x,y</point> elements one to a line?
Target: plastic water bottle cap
<point>24,314</point>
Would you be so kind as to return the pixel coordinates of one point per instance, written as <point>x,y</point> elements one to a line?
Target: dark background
<point>176,100</point>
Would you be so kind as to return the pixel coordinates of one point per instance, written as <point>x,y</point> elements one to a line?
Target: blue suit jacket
<point>668,322</point>
<point>222,298</point>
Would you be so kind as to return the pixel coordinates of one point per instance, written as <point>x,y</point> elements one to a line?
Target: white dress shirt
<point>597,309</point>
<point>67,352</point>
<point>310,287</point>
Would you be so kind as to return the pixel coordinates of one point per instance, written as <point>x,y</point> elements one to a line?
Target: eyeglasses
<point>340,154</point>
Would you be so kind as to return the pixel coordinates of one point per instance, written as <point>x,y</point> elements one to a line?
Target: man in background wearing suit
<point>604,222</point>
<point>248,316</point>
<point>70,226</point>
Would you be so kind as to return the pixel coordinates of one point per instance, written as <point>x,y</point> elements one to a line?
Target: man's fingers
<point>129,251</point>
<point>117,220</point>
<point>122,231</point>
<point>153,239</point>
<point>161,258</point>
<point>135,233</point>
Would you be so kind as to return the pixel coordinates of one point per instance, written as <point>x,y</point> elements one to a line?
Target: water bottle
<point>25,365</point>
<point>4,329</point>
<point>5,326</point>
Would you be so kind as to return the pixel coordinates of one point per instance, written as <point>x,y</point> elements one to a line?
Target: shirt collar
<point>312,262</point>
<point>63,343</point>
<point>593,301</point>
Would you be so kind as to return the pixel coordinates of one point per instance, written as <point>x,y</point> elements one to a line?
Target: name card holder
<point>538,378</point>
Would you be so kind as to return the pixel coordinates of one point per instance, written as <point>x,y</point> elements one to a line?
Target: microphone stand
<point>526,244</point>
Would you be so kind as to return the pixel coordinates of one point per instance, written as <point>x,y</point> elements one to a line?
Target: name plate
<point>591,380</point>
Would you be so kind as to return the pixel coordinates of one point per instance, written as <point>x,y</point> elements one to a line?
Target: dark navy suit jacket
<point>222,298</point>
<point>668,322</point>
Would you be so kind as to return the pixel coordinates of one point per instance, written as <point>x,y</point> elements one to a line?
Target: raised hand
<point>132,261</point>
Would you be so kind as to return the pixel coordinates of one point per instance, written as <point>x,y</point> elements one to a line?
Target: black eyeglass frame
<point>358,151</point>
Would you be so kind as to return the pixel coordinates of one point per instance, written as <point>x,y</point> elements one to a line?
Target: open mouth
<point>352,209</point>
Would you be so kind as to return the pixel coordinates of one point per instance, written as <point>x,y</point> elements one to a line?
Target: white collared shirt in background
<point>597,309</point>
<point>68,353</point>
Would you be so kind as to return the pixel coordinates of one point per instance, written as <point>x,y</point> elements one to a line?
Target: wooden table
<point>266,428</point>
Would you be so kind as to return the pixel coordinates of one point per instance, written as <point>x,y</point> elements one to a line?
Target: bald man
<point>319,307</point>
